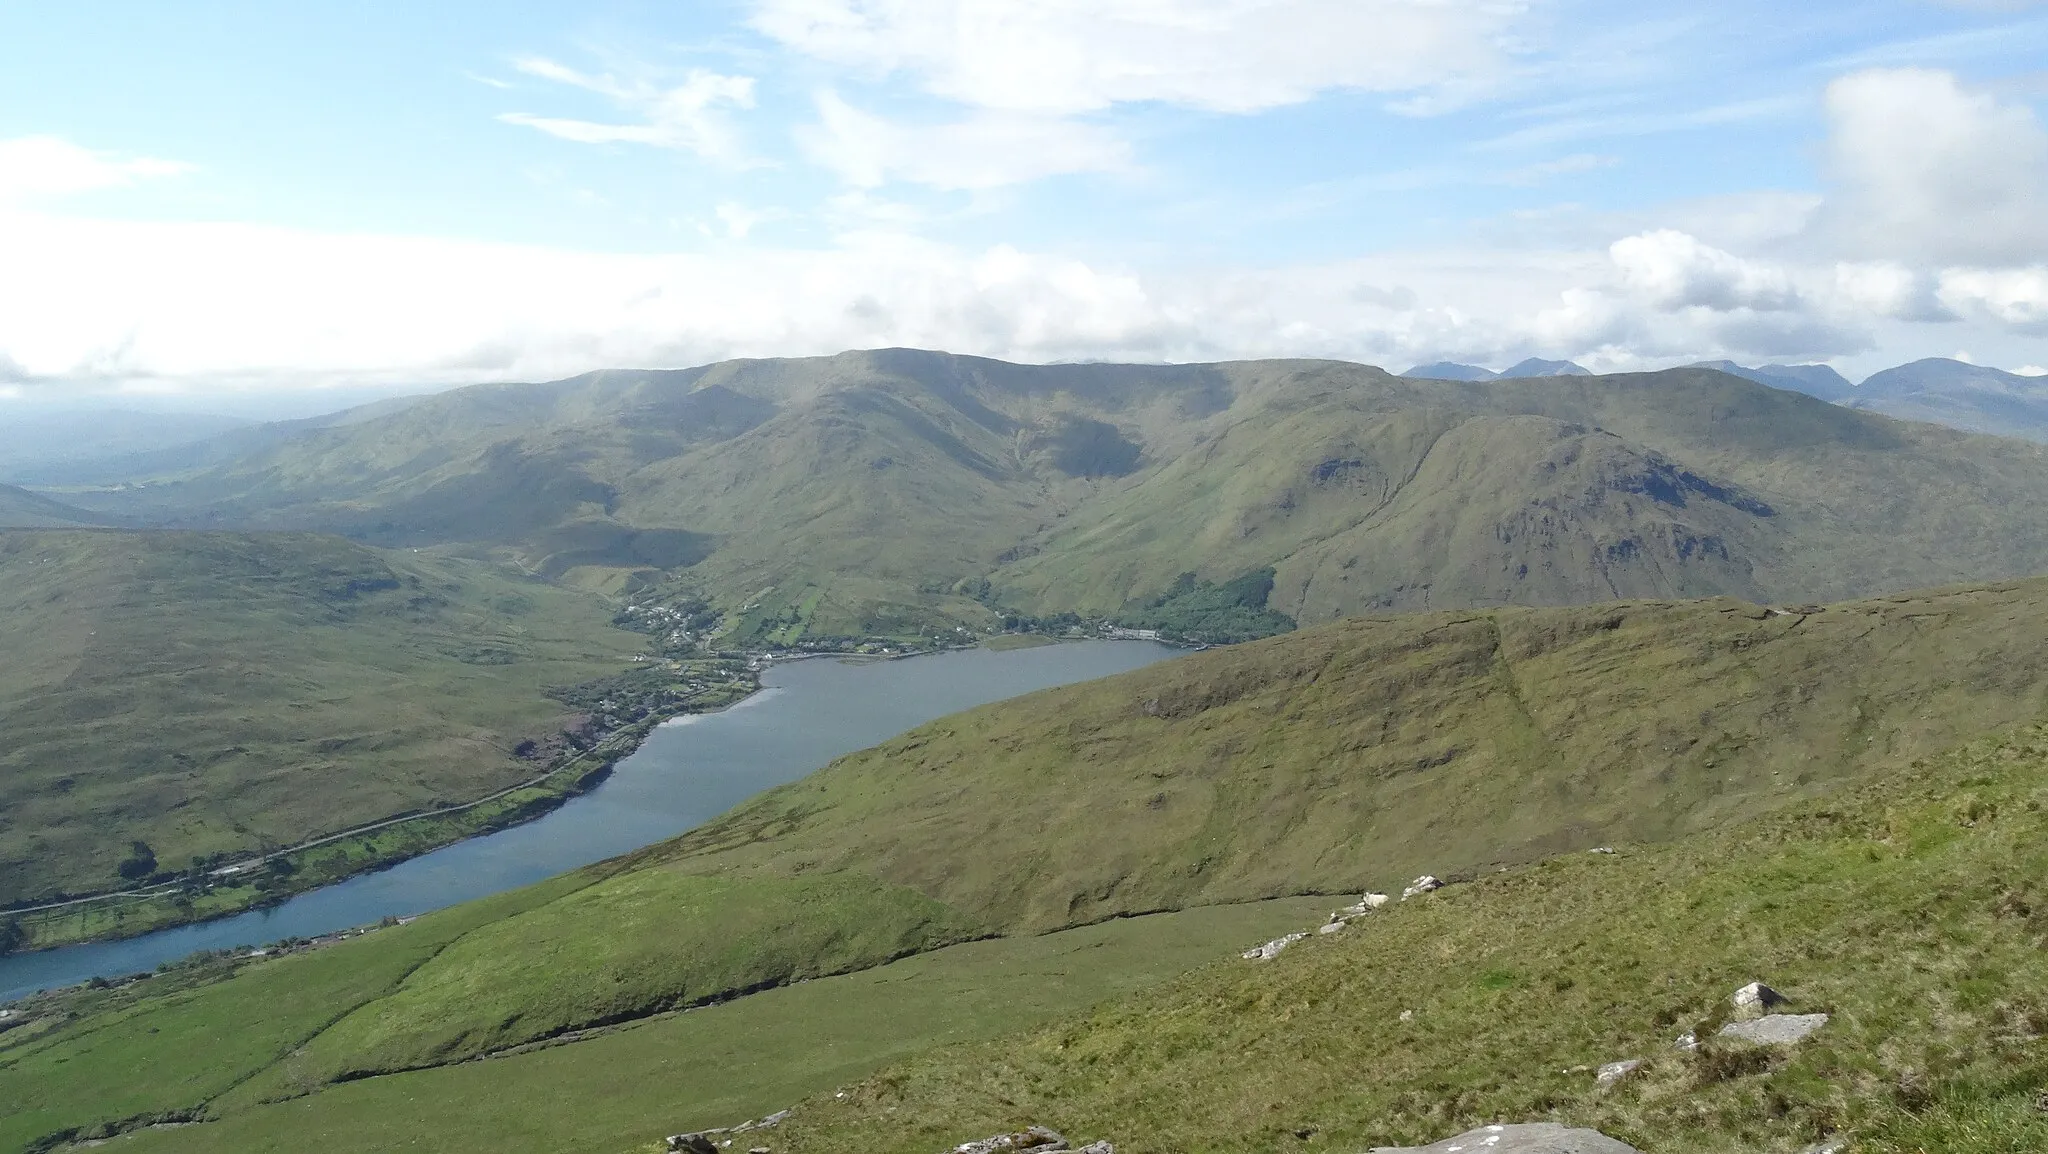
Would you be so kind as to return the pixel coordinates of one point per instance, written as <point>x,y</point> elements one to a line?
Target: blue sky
<point>238,196</point>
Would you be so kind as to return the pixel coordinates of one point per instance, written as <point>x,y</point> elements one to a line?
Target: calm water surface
<point>688,771</point>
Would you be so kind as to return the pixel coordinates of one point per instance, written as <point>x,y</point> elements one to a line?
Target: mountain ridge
<point>894,491</point>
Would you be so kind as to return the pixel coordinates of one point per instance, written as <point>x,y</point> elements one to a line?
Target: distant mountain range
<point>1936,390</point>
<point>897,490</point>
<point>1533,367</point>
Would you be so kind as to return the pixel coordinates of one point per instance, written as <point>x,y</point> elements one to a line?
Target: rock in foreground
<point>1534,1138</point>
<point>1775,1029</point>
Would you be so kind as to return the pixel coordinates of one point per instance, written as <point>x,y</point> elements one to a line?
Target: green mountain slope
<point>1367,751</point>
<point>1911,911</point>
<point>1412,495</point>
<point>886,491</point>
<point>1354,755</point>
<point>215,693</point>
<point>1776,783</point>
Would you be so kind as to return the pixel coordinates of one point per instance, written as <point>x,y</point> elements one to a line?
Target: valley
<point>1780,769</point>
<point>1469,628</point>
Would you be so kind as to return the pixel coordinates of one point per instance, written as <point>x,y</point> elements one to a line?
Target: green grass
<point>1915,911</point>
<point>626,1086</point>
<point>164,1047</point>
<point>218,694</point>
<point>626,948</point>
<point>1362,753</point>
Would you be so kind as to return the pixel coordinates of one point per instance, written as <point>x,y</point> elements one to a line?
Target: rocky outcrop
<point>1271,950</point>
<point>1427,883</point>
<point>712,1142</point>
<point>1614,1072</point>
<point>1035,1139</point>
<point>1755,1000</point>
<point>1534,1138</point>
<point>1774,1029</point>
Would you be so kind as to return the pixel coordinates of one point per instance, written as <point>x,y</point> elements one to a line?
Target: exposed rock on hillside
<point>1775,1029</point>
<point>1534,1138</point>
<point>1035,1139</point>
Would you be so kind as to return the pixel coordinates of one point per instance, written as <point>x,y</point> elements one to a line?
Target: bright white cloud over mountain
<point>1385,180</point>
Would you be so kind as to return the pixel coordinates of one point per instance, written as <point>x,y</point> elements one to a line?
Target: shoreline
<point>607,752</point>
<point>134,919</point>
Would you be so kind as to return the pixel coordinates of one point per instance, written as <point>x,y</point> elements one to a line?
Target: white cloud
<point>1890,289</point>
<point>45,167</point>
<point>2017,298</point>
<point>986,150</point>
<point>1675,270</point>
<point>691,117</point>
<point>1067,56</point>
<point>740,220</point>
<point>1932,172</point>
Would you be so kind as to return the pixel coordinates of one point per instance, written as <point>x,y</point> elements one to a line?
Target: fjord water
<point>688,771</point>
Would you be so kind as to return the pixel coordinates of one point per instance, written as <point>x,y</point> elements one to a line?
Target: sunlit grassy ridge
<point>1364,752</point>
<point>1913,909</point>
<point>217,693</point>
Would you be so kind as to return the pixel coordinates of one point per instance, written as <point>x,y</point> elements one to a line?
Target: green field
<point>622,1087</point>
<point>212,695</point>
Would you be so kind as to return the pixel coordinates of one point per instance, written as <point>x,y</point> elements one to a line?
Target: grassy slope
<point>1913,910</point>
<point>164,1047</point>
<point>1367,751</point>
<point>1349,756</point>
<point>867,485</point>
<point>628,947</point>
<point>1370,493</point>
<point>710,1066</point>
<point>1345,756</point>
<point>213,693</point>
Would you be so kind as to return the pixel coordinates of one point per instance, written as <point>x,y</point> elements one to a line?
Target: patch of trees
<point>139,864</point>
<point>1206,611</point>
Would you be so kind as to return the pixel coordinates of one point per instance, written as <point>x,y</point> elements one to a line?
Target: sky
<point>216,200</point>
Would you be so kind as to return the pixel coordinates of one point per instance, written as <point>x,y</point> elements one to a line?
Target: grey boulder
<point>1775,1029</point>
<point>1532,1138</point>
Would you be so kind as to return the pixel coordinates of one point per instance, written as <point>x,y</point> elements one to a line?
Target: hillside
<point>1373,749</point>
<point>1790,765</point>
<point>212,693</point>
<point>21,509</point>
<point>894,491</point>
<point>1910,913</point>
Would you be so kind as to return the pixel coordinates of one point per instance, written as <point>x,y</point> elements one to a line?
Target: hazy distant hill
<point>1964,396</point>
<point>21,509</point>
<point>102,464</point>
<point>875,491</point>
<point>42,445</point>
<point>1533,367</point>
<point>1814,380</point>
